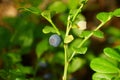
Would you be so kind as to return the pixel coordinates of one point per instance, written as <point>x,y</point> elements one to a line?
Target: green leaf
<point>41,47</point>
<point>48,29</point>
<point>112,53</point>
<point>117,12</point>
<point>73,4</point>
<point>103,66</point>
<point>85,33</point>
<point>76,64</point>
<point>68,39</point>
<point>98,34</point>
<point>80,50</point>
<point>101,76</point>
<point>47,15</point>
<point>59,58</point>
<point>57,6</point>
<point>104,16</point>
<point>34,10</point>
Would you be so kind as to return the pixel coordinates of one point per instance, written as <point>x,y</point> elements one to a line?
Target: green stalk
<point>66,63</point>
<point>69,26</point>
<point>55,27</point>
<point>79,10</point>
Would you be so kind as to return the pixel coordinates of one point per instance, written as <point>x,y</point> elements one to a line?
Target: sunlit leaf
<point>47,15</point>
<point>117,12</point>
<point>73,4</point>
<point>68,39</point>
<point>81,50</point>
<point>48,29</point>
<point>101,76</point>
<point>85,33</point>
<point>98,34</point>
<point>104,16</point>
<point>112,53</point>
<point>103,66</point>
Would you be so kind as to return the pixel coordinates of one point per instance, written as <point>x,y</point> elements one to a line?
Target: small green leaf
<point>57,6</point>
<point>117,12</point>
<point>104,16</point>
<point>98,34</point>
<point>76,64</point>
<point>34,10</point>
<point>101,76</point>
<point>103,66</point>
<point>48,29</point>
<point>47,15</point>
<point>68,39</point>
<point>41,47</point>
<point>85,33</point>
<point>80,50</point>
<point>59,58</point>
<point>112,53</point>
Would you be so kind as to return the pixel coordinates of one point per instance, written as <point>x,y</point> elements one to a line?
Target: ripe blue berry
<point>54,40</point>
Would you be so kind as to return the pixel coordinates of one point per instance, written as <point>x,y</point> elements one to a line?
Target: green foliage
<point>48,29</point>
<point>107,69</point>
<point>68,39</point>
<point>76,64</point>
<point>117,12</point>
<point>41,47</point>
<point>104,16</point>
<point>98,34</point>
<point>4,41</point>
<point>47,15</point>
<point>23,37</point>
<point>112,53</point>
<point>82,50</point>
<point>58,7</point>
<point>73,4</point>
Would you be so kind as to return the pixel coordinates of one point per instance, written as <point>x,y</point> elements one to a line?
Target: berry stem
<point>66,63</point>
<point>55,27</point>
<point>69,26</point>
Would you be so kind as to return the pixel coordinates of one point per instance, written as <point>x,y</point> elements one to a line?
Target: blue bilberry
<point>54,40</point>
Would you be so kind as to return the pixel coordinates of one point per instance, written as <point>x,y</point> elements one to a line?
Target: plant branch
<point>66,63</point>
<point>55,27</point>
<point>69,26</point>
<point>85,39</point>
